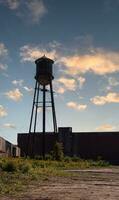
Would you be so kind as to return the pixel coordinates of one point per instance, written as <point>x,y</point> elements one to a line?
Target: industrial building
<point>86,145</point>
<point>8,149</point>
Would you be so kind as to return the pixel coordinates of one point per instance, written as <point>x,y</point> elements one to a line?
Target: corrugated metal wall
<point>86,145</point>
<point>32,144</point>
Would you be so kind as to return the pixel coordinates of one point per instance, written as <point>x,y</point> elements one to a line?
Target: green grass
<point>17,173</point>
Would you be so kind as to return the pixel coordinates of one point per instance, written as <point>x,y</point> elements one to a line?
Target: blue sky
<point>82,37</point>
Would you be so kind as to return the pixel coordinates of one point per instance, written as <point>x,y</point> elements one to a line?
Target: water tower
<point>44,77</point>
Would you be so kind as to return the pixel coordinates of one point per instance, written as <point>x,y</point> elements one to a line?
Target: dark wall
<point>93,145</point>
<point>86,145</point>
<point>32,144</point>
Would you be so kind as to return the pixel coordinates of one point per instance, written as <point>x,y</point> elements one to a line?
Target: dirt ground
<point>99,184</point>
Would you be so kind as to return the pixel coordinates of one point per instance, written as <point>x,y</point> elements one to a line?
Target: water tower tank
<point>44,70</point>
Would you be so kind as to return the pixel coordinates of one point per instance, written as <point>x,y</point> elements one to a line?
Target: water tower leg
<point>36,103</point>
<point>36,85</point>
<point>53,109</point>
<point>44,120</point>
<point>29,144</point>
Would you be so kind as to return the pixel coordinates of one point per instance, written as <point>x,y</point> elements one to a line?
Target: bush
<point>48,157</point>
<point>75,158</point>
<point>9,166</point>
<point>57,153</point>
<point>38,157</point>
<point>25,167</point>
<point>67,159</point>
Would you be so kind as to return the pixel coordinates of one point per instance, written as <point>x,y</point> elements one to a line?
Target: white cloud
<point>106,127</point>
<point>31,53</point>
<point>55,44</point>
<point>3,111</point>
<point>112,81</point>
<point>8,125</point>
<point>76,106</point>
<point>36,9</point>
<point>111,97</point>
<point>3,50</point>
<point>18,82</point>
<point>14,95</point>
<point>30,90</point>
<point>98,61</point>
<point>68,84</point>
<point>28,10</point>
<point>81,81</point>
<point>72,104</point>
<point>3,54</point>
<point>3,67</point>
<point>61,90</point>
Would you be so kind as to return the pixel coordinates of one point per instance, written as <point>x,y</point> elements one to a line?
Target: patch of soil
<point>99,184</point>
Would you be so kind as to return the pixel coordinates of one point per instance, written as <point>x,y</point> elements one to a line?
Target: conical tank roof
<point>44,58</point>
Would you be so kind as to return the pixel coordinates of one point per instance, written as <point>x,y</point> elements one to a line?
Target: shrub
<point>75,158</point>
<point>67,159</point>
<point>48,157</point>
<point>38,157</point>
<point>35,163</point>
<point>25,167</point>
<point>57,153</point>
<point>102,163</point>
<point>9,166</point>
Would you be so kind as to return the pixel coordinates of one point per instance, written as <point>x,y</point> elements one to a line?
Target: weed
<point>26,171</point>
<point>57,153</point>
<point>9,166</point>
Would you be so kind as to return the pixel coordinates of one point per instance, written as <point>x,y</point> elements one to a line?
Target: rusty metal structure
<point>43,77</point>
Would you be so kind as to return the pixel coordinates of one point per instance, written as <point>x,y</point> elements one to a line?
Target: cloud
<point>13,4</point>
<point>3,67</point>
<point>30,53</point>
<point>36,10</point>
<point>55,44</point>
<point>30,90</point>
<point>3,111</point>
<point>3,54</point>
<point>106,127</point>
<point>18,82</point>
<point>112,81</point>
<point>74,105</point>
<point>68,84</point>
<point>98,61</point>
<point>3,50</point>
<point>61,90</point>
<point>14,95</point>
<point>81,81</point>
<point>8,125</point>
<point>29,10</point>
<point>111,97</point>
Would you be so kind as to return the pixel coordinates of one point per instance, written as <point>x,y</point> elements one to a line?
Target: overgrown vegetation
<point>57,153</point>
<point>17,173</point>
